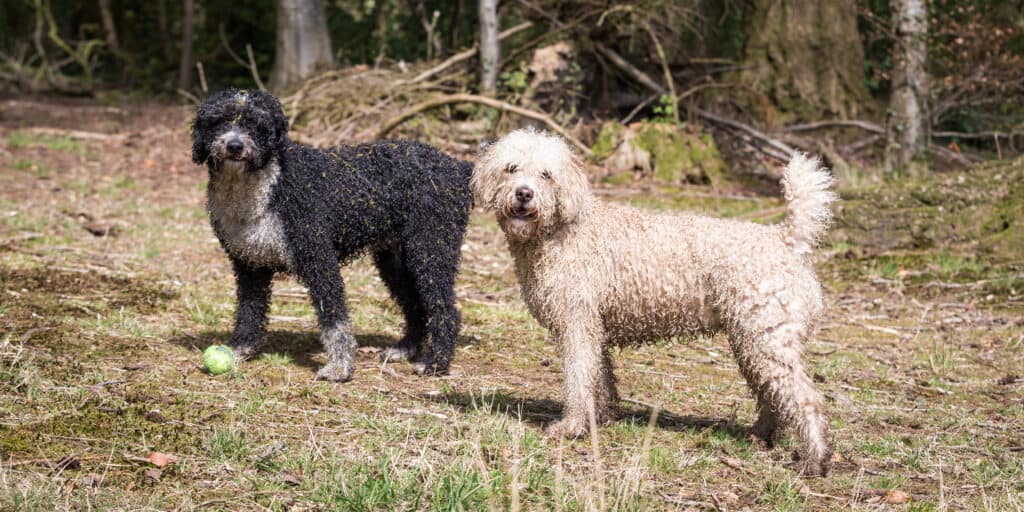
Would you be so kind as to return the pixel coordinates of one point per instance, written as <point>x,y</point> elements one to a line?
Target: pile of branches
<point>362,104</point>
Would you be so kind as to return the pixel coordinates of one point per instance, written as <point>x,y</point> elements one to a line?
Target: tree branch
<point>390,124</point>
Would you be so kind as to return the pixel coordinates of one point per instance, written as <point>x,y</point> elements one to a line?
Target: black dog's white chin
<point>234,164</point>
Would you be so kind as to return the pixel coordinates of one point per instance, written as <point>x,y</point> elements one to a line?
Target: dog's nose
<point>235,146</point>
<point>524,194</point>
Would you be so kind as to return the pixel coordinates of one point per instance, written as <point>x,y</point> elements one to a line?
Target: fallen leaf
<point>154,474</point>
<point>895,497</point>
<point>837,457</point>
<point>291,478</point>
<point>160,459</point>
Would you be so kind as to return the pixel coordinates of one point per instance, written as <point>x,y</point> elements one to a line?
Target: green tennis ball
<point>218,359</point>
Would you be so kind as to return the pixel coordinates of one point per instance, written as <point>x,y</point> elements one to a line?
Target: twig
<point>666,71</point>
<point>202,77</point>
<point>390,124</point>
<point>642,78</point>
<point>781,146</point>
<point>189,96</point>
<point>252,67</point>
<point>77,134</point>
<point>975,135</point>
<point>851,123</point>
<point>636,110</point>
<point>465,54</point>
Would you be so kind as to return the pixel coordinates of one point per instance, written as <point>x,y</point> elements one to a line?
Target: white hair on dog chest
<point>239,202</point>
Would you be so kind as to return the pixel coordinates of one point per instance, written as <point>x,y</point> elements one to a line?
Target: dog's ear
<point>484,180</point>
<point>280,128</point>
<point>573,189</point>
<point>279,120</point>
<point>200,149</point>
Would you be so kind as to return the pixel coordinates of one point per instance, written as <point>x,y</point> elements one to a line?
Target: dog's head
<point>533,181</point>
<point>238,130</point>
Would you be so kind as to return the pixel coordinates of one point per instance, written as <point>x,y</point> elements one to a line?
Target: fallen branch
<point>390,124</point>
<point>77,134</point>
<point>976,135</point>
<point>645,80</point>
<point>789,151</point>
<point>850,123</point>
<point>642,78</point>
<point>465,54</point>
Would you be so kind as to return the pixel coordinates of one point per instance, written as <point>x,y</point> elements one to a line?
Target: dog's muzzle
<point>522,207</point>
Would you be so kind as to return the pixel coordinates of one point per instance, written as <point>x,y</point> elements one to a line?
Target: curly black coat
<point>280,206</point>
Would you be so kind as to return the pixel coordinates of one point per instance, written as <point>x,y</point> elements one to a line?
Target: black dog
<point>279,206</point>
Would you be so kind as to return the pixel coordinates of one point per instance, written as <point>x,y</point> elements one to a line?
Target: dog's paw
<point>243,351</point>
<point>424,368</point>
<point>397,353</point>
<point>569,428</point>
<point>335,372</point>
<point>814,467</point>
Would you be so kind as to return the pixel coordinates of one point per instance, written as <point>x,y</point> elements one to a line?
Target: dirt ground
<point>111,284</point>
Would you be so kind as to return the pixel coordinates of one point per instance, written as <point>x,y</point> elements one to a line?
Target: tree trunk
<point>489,48</point>
<point>165,33</point>
<point>806,56</point>
<point>303,44</point>
<point>908,129</point>
<point>186,64</point>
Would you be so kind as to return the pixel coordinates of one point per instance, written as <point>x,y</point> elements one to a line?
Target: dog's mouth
<point>520,212</point>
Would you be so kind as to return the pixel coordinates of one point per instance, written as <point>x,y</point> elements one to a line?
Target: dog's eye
<point>511,169</point>
<point>546,175</point>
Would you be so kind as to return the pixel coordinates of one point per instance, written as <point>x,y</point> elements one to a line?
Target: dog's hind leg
<point>784,390</point>
<point>253,293</point>
<point>433,267</point>
<point>607,399</point>
<point>401,283</point>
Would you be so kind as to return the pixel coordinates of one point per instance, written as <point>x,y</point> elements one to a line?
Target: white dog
<point>598,274</point>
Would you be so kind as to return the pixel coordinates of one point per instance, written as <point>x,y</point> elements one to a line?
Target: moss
<point>607,139</point>
<point>977,210</point>
<point>679,154</point>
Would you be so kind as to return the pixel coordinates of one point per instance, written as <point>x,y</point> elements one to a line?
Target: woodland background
<point>112,282</point>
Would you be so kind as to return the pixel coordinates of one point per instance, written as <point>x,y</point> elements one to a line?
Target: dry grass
<point>100,340</point>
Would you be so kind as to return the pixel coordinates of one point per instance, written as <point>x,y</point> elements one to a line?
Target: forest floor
<point>111,284</point>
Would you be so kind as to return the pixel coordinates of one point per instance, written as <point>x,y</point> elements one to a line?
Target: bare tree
<point>489,48</point>
<point>908,135</point>
<point>186,64</point>
<point>303,44</point>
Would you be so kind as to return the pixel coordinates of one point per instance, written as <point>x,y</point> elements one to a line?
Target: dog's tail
<point>805,185</point>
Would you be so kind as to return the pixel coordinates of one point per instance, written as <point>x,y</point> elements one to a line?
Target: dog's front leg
<point>318,269</point>
<point>580,342</point>
<point>253,293</point>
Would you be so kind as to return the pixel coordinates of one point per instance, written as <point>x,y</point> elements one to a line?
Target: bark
<point>909,127</point>
<point>806,56</point>
<point>187,63</point>
<point>303,44</point>
<point>489,48</point>
<point>165,33</point>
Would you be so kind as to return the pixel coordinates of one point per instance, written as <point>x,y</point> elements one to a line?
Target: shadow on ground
<point>539,412</point>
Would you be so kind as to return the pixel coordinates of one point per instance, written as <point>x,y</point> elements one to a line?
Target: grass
<point>100,351</point>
